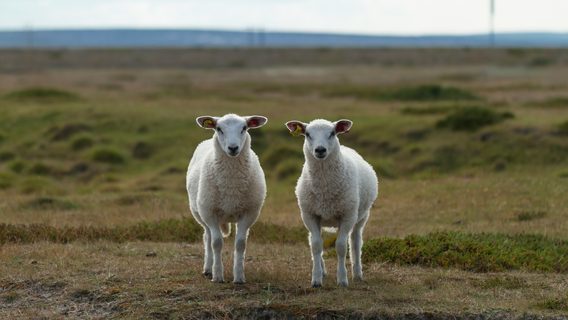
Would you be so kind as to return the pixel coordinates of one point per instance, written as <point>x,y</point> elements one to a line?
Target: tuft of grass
<point>7,156</point>
<point>68,130</point>
<point>419,111</point>
<point>430,92</point>
<point>48,203</point>
<point>427,92</point>
<point>42,94</point>
<point>288,168</point>
<point>563,128</point>
<point>472,252</point>
<point>556,304</point>
<point>40,169</point>
<point>472,119</point>
<point>555,102</point>
<point>530,215</point>
<point>109,156</point>
<point>276,154</point>
<point>167,230</point>
<point>540,61</point>
<point>142,150</point>
<point>500,282</point>
<point>81,143</point>
<point>17,166</point>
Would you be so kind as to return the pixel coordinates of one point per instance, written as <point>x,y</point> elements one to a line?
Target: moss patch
<point>473,252</point>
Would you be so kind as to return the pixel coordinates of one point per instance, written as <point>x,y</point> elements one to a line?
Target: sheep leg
<point>240,248</point>
<point>355,245</point>
<point>324,271</point>
<point>316,245</point>
<point>341,249</point>
<point>208,260</point>
<point>217,246</point>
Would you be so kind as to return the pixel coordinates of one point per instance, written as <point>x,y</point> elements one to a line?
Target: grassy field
<point>471,147</point>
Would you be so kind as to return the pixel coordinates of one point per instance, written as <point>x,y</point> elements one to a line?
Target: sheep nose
<point>233,149</point>
<point>320,152</point>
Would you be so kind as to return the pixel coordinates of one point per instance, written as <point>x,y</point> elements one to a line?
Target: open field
<point>468,144</point>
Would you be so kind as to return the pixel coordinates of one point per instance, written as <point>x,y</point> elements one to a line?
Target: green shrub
<point>425,110</point>
<point>288,168</point>
<point>142,150</point>
<point>563,128</point>
<point>108,156</point>
<point>555,102</point>
<point>6,156</point>
<point>41,94</point>
<point>557,304</point>
<point>472,118</point>
<point>68,130</point>
<point>481,252</point>
<point>276,154</point>
<point>40,169</point>
<point>17,166</point>
<point>540,62</point>
<point>503,282</point>
<point>530,215</point>
<point>48,203</point>
<point>81,143</point>
<point>431,92</point>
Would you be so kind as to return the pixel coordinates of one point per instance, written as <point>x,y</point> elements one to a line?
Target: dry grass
<point>113,158</point>
<point>99,280</point>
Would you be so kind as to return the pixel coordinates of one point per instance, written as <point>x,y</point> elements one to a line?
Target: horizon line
<point>264,30</point>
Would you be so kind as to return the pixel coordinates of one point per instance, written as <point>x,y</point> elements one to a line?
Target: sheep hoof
<point>358,279</point>
<point>342,284</point>
<point>217,280</point>
<point>316,285</point>
<point>207,274</point>
<point>238,282</point>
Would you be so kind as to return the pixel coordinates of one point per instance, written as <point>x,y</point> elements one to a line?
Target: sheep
<point>336,189</point>
<point>226,184</point>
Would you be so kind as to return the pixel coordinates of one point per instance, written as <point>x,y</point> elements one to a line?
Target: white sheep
<point>337,188</point>
<point>226,184</point>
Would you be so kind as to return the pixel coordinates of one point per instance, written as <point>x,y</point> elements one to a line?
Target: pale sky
<point>408,17</point>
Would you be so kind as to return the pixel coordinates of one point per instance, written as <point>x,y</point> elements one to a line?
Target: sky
<point>402,17</point>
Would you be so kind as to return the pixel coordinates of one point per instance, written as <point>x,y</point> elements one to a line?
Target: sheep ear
<point>207,122</point>
<point>296,127</point>
<point>254,122</point>
<point>343,126</point>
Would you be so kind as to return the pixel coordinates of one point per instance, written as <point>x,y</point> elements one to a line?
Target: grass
<point>563,128</point>
<point>95,213</point>
<point>166,230</point>
<point>42,94</point>
<point>109,156</point>
<point>530,215</point>
<point>47,203</point>
<point>472,252</point>
<point>472,119</point>
<point>423,93</point>
<point>556,304</point>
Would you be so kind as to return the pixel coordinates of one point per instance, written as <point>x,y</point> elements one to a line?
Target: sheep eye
<point>244,129</point>
<point>219,130</point>
<point>308,135</point>
<point>332,134</point>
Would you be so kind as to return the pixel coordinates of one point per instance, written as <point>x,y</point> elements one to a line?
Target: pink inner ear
<point>253,123</point>
<point>342,127</point>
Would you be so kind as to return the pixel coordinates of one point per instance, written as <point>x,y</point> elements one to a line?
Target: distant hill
<point>131,38</point>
